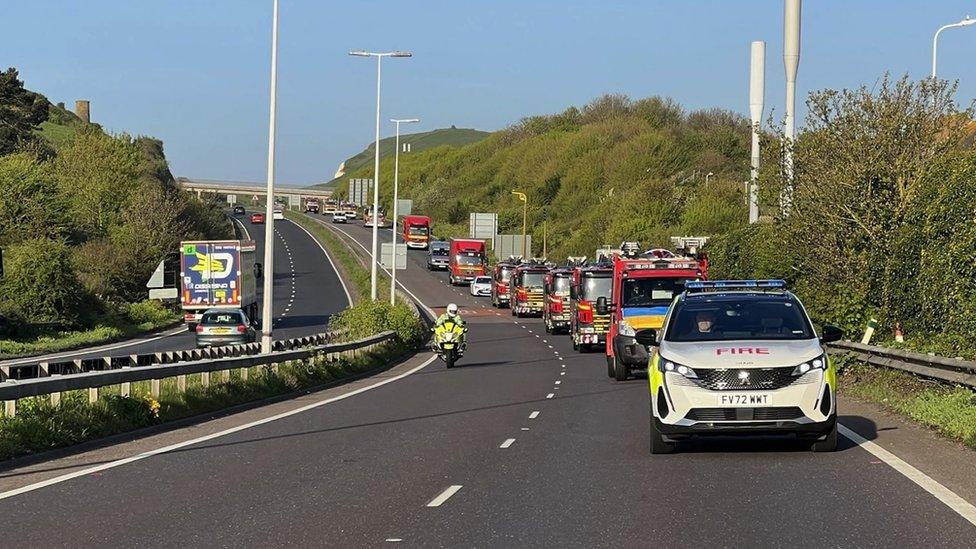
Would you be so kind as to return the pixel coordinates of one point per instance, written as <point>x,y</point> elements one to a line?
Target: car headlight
<point>819,363</point>
<point>666,365</point>
<point>624,329</point>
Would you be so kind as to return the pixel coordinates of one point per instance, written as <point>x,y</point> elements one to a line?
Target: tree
<point>21,112</point>
<point>30,205</point>
<point>39,284</point>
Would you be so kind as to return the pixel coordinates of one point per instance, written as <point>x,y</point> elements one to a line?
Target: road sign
<point>359,191</point>
<point>483,226</point>
<point>254,199</point>
<point>404,207</point>
<point>507,245</point>
<point>164,293</point>
<point>157,278</point>
<point>294,201</point>
<point>232,199</point>
<point>401,256</point>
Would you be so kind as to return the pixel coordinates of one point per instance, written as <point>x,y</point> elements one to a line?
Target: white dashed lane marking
<point>444,496</point>
<point>508,442</point>
<point>534,415</point>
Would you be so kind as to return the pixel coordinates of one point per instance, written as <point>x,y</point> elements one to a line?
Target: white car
<point>351,214</point>
<point>338,217</point>
<point>278,214</point>
<point>481,286</point>
<point>740,357</point>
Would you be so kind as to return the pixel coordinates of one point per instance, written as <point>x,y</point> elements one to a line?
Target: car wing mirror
<point>831,334</point>
<point>647,337</point>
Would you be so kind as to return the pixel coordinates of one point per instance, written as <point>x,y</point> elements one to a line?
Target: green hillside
<point>611,170</point>
<point>419,142</point>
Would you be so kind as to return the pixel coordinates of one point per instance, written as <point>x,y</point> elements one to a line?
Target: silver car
<point>219,327</point>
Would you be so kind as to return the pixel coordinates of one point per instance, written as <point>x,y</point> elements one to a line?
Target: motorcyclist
<point>452,315</point>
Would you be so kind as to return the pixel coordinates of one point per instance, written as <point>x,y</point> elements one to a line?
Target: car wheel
<point>658,444</point>
<point>609,366</point>
<point>619,369</point>
<point>829,443</point>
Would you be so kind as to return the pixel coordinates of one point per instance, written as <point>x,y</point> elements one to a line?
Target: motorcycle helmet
<point>452,309</point>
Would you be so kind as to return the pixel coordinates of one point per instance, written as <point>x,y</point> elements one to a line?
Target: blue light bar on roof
<point>733,285</point>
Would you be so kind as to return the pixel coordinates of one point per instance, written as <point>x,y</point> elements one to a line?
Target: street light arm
<point>935,39</point>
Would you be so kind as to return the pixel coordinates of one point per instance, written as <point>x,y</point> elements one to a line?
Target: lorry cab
<point>467,260</point>
<point>556,310</point>
<point>643,289</point>
<point>416,231</point>
<point>588,329</point>
<point>526,289</point>
<point>501,276</point>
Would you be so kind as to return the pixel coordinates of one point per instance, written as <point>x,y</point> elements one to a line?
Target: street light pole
<point>396,197</point>
<point>525,211</point>
<point>376,161</point>
<point>757,92</point>
<point>791,60</point>
<point>935,39</point>
<point>267,311</point>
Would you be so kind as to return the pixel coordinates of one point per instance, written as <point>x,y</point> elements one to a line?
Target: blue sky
<point>195,72</point>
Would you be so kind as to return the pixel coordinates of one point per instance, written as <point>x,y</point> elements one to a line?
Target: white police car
<point>740,357</point>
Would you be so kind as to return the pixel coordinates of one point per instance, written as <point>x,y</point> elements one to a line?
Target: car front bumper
<point>806,406</point>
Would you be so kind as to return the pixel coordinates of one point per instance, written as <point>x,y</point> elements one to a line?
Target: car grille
<point>759,379</point>
<point>782,413</point>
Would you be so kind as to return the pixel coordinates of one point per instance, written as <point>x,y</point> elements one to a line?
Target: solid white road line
<point>444,496</point>
<point>508,442</point>
<point>952,500</point>
<point>534,415</point>
<point>184,444</point>
<point>68,354</point>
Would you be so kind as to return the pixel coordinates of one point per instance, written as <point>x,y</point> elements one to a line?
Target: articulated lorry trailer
<point>218,274</point>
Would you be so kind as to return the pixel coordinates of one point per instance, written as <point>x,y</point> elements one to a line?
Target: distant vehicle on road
<point>481,286</point>
<point>339,217</point>
<point>501,276</point>
<point>311,205</point>
<point>438,256</point>
<point>416,231</point>
<point>257,218</point>
<point>279,213</point>
<point>740,357</point>
<point>217,274</point>
<point>239,210</point>
<point>467,260</point>
<point>219,327</point>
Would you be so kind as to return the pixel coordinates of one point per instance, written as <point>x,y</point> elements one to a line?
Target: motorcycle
<point>449,342</point>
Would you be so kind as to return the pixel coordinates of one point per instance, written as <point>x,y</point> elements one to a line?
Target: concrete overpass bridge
<point>248,191</point>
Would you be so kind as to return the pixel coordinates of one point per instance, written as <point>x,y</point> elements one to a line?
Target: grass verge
<point>136,319</point>
<point>950,410</point>
<point>39,426</point>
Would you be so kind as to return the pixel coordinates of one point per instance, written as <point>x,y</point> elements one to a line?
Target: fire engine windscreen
<point>739,318</point>
<point>417,230</point>
<point>594,287</point>
<point>561,284</point>
<point>469,260</point>
<point>648,292</point>
<point>533,280</point>
<point>504,274</point>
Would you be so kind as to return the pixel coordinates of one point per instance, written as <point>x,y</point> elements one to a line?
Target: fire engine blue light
<point>702,285</point>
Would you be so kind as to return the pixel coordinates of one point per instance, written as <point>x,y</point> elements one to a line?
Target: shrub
<point>372,317</point>
<point>39,283</point>
<point>150,312</point>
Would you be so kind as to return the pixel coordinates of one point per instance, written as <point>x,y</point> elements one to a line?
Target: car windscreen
<point>533,280</point>
<point>738,318</point>
<point>560,284</point>
<point>439,251</point>
<point>222,319</point>
<point>504,274</point>
<point>650,292</point>
<point>482,280</point>
<point>593,287</point>
<point>468,260</point>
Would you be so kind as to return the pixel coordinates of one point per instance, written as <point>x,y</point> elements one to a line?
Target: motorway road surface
<point>526,444</point>
<point>307,291</point>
